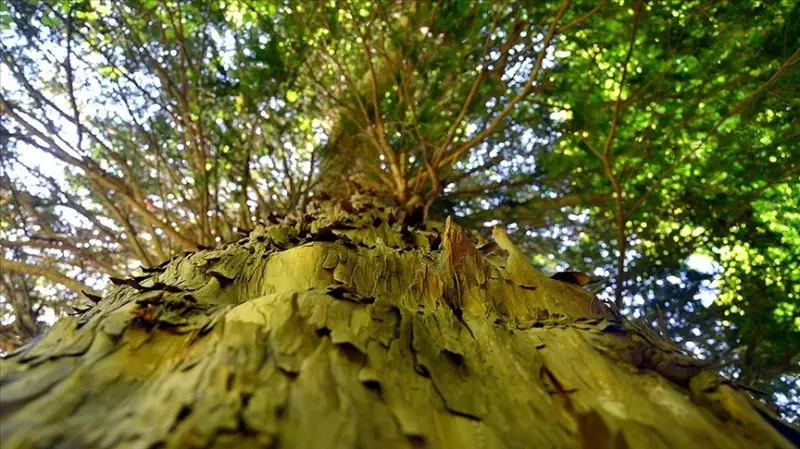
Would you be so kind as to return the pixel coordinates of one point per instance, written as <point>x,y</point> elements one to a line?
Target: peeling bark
<point>343,327</point>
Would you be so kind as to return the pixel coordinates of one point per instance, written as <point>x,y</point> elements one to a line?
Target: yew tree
<point>360,223</point>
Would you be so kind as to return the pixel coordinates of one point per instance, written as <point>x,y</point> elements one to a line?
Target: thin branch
<point>483,189</point>
<point>472,92</point>
<point>582,18</point>
<point>608,166</point>
<point>527,89</point>
<point>618,106</point>
<point>25,321</point>
<point>70,77</point>
<point>47,273</point>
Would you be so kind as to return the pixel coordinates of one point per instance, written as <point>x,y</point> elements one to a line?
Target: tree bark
<point>344,327</point>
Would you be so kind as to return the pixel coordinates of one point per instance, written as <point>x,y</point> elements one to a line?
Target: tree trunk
<point>343,327</point>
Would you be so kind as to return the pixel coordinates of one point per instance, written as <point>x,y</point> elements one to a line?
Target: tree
<point>345,326</point>
<point>618,138</point>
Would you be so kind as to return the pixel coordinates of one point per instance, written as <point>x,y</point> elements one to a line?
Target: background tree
<point>618,138</point>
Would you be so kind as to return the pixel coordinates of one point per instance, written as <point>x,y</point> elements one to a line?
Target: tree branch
<point>527,89</point>
<point>47,273</point>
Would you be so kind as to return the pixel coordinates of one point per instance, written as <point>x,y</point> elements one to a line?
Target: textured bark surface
<point>343,327</point>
